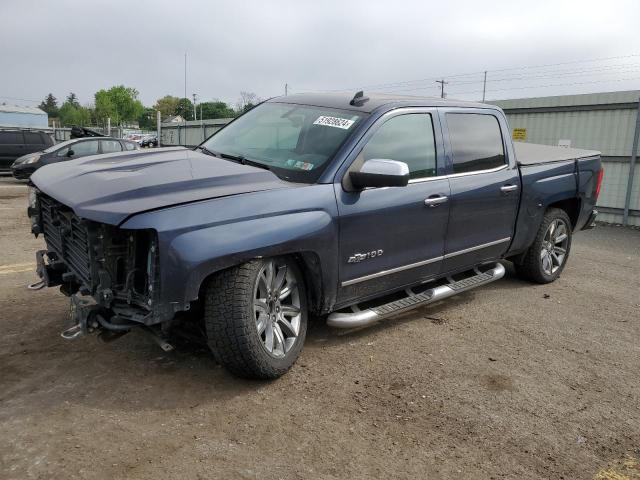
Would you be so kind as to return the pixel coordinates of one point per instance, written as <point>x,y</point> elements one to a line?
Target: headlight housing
<point>33,159</point>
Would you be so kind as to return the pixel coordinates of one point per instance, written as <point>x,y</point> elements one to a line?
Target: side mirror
<point>70,153</point>
<point>380,173</point>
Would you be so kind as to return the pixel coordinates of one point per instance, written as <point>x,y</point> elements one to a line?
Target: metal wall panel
<point>190,133</point>
<point>608,131</point>
<point>600,121</point>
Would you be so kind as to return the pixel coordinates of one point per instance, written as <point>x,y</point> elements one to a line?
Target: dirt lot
<point>509,381</point>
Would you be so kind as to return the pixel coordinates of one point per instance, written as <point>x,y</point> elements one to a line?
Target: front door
<point>392,237</point>
<point>485,189</point>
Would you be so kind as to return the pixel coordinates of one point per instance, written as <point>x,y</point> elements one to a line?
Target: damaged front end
<point>110,273</point>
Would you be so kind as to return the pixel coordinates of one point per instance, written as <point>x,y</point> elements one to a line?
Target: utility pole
<point>442,84</point>
<point>159,127</point>
<point>185,75</point>
<point>286,89</point>
<point>195,117</point>
<point>484,85</point>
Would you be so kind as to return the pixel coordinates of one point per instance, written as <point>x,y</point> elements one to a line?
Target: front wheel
<point>256,317</point>
<point>548,254</point>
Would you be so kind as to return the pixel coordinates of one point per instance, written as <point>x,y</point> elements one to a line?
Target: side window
<point>476,142</point>
<point>109,146</point>
<point>81,149</point>
<point>406,138</point>
<point>32,138</point>
<point>11,138</point>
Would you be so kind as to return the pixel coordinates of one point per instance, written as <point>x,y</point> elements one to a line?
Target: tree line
<point>122,106</point>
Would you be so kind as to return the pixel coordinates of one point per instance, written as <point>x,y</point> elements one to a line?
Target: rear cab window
<point>476,142</point>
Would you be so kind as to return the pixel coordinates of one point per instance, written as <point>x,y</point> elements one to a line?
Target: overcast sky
<point>394,46</point>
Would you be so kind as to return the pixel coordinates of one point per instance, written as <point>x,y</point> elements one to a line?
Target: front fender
<point>199,239</point>
<point>197,254</point>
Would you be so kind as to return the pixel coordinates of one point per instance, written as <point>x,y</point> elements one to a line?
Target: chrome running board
<point>362,318</point>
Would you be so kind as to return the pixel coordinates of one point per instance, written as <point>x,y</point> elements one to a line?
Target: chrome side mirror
<point>380,173</point>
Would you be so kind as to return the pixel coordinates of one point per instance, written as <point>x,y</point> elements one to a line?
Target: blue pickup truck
<point>355,208</point>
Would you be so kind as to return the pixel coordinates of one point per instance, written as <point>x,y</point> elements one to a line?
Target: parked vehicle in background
<point>16,143</point>
<point>23,167</point>
<point>148,141</point>
<point>356,208</point>
<point>84,132</point>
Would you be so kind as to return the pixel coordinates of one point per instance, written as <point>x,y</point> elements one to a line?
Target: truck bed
<point>535,154</point>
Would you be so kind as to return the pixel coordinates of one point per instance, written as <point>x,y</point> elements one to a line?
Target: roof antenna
<point>359,99</point>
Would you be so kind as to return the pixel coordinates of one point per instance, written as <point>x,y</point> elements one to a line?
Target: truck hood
<point>110,188</point>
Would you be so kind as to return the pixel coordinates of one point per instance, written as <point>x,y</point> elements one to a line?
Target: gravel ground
<point>512,380</point>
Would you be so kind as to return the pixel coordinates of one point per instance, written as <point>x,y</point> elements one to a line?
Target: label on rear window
<point>334,122</point>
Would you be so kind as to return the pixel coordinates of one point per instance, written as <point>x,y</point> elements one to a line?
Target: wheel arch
<point>308,262</point>
<point>571,207</point>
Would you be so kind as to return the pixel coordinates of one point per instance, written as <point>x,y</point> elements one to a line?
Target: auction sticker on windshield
<point>334,122</point>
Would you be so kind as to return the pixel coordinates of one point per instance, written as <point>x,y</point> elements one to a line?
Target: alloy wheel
<point>276,307</point>
<point>554,246</point>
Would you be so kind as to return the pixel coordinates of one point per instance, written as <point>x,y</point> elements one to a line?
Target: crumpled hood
<point>110,188</point>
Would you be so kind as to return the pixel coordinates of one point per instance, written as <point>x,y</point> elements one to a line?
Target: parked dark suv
<point>24,166</point>
<point>16,143</point>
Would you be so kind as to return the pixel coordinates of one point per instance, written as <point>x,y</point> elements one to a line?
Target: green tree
<point>71,114</point>
<point>50,105</point>
<point>119,103</point>
<point>185,109</point>
<point>167,106</point>
<point>247,101</point>
<point>147,120</point>
<point>215,109</point>
<point>73,100</point>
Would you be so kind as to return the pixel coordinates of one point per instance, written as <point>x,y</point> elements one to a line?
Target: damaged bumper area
<point>109,273</point>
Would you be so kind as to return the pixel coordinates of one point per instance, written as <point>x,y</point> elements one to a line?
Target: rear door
<point>11,147</point>
<point>389,237</point>
<point>34,142</point>
<point>84,148</point>
<point>110,146</point>
<point>485,187</point>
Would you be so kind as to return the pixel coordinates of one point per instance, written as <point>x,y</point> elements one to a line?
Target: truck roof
<point>374,101</point>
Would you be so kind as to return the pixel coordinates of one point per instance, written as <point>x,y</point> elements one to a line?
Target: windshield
<point>296,142</point>
<point>59,145</point>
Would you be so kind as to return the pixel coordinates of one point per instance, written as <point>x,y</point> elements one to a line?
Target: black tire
<point>531,267</point>
<point>231,326</point>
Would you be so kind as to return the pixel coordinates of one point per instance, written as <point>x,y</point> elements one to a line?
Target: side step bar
<point>361,318</point>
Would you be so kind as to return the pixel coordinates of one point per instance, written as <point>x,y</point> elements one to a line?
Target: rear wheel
<point>256,317</point>
<point>547,256</point>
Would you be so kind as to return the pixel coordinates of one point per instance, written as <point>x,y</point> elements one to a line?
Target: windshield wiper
<point>207,151</point>
<point>236,158</point>
<point>243,160</point>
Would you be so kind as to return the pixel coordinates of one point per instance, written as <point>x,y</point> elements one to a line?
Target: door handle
<point>435,201</point>
<point>508,188</point>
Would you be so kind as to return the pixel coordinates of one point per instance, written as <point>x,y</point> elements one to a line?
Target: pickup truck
<point>354,208</point>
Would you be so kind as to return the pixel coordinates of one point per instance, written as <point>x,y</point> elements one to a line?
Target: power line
<point>481,72</point>
<point>475,82</point>
<point>551,85</point>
